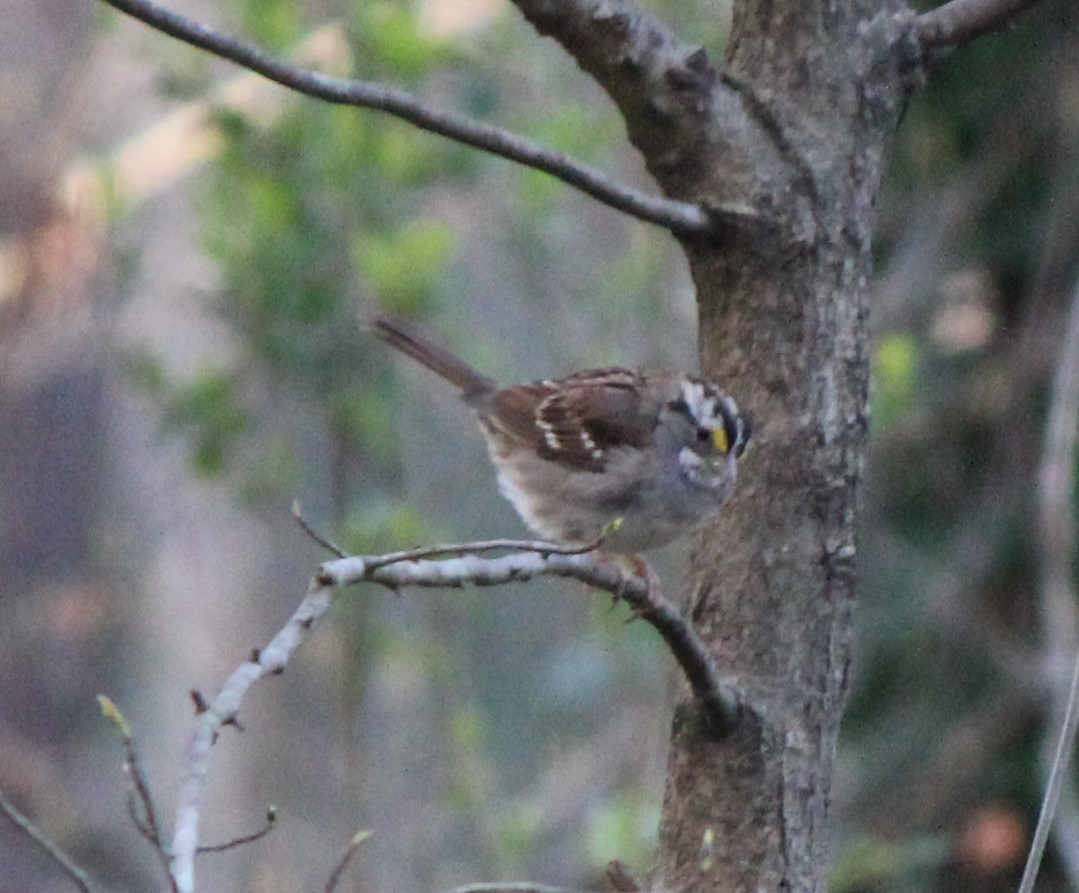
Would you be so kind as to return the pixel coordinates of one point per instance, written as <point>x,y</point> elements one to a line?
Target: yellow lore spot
<point>719,438</point>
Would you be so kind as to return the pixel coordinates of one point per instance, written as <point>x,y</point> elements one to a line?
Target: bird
<point>627,458</point>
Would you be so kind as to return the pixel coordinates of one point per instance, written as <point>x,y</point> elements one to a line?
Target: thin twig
<point>145,831</point>
<point>20,821</point>
<point>1053,786</point>
<point>142,791</point>
<point>148,825</point>
<point>1056,483</point>
<point>271,819</point>
<point>497,545</point>
<point>138,820</point>
<point>326,544</point>
<point>540,547</point>
<point>353,845</point>
<point>681,218</point>
<point>961,21</point>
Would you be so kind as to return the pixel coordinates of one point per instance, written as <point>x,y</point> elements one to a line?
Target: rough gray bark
<point>796,125</point>
<point>785,317</point>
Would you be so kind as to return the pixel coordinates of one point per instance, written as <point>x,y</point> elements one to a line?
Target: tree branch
<point>677,107</point>
<point>353,845</point>
<point>663,86</point>
<point>720,707</point>
<point>222,711</point>
<point>960,21</point>
<point>511,887</point>
<point>146,823</point>
<point>681,218</point>
<point>79,877</point>
<point>620,44</point>
<point>719,704</point>
<point>1059,617</point>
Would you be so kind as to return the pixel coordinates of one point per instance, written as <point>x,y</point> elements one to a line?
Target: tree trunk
<point>783,324</point>
<point>794,127</point>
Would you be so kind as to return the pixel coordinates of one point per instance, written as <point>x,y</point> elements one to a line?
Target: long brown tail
<point>411,341</point>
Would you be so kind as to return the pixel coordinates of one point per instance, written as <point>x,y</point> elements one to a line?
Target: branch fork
<point>592,567</point>
<point>465,566</point>
<point>683,219</point>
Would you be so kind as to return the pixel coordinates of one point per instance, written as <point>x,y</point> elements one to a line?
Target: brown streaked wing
<point>576,420</point>
<point>513,411</point>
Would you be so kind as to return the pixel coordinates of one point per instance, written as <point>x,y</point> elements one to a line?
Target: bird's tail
<point>412,341</point>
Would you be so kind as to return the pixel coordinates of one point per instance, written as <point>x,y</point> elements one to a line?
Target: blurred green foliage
<point>870,864</point>
<point>976,273</point>
<point>895,362</point>
<point>319,215</point>
<point>328,212</point>
<point>312,218</point>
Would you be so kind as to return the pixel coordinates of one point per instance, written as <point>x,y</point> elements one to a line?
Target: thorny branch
<point>719,705</point>
<point>681,218</point>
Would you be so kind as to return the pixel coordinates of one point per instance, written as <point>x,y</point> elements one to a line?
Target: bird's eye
<point>704,435</point>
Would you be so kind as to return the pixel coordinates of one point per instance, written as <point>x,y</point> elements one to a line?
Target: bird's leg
<point>638,567</point>
<point>645,571</point>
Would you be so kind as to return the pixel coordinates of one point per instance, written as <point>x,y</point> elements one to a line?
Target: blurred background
<point>183,251</point>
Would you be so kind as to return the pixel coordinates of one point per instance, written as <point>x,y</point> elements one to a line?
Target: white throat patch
<point>702,404</point>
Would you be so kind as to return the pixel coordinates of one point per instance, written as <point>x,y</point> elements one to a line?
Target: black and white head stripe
<point>716,412</point>
<point>735,425</point>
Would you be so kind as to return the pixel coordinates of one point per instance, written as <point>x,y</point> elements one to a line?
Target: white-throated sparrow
<point>637,457</point>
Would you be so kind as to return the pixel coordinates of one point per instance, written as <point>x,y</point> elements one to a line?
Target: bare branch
<point>1054,786</point>
<point>353,845</point>
<point>73,871</point>
<point>682,218</point>
<point>511,887</point>
<point>271,819</point>
<point>649,72</point>
<point>1060,621</point>
<point>222,710</point>
<point>326,544</point>
<point>498,545</point>
<point>961,21</point>
<point>147,823</point>
<point>678,106</point>
<point>541,547</point>
<point>720,706</point>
